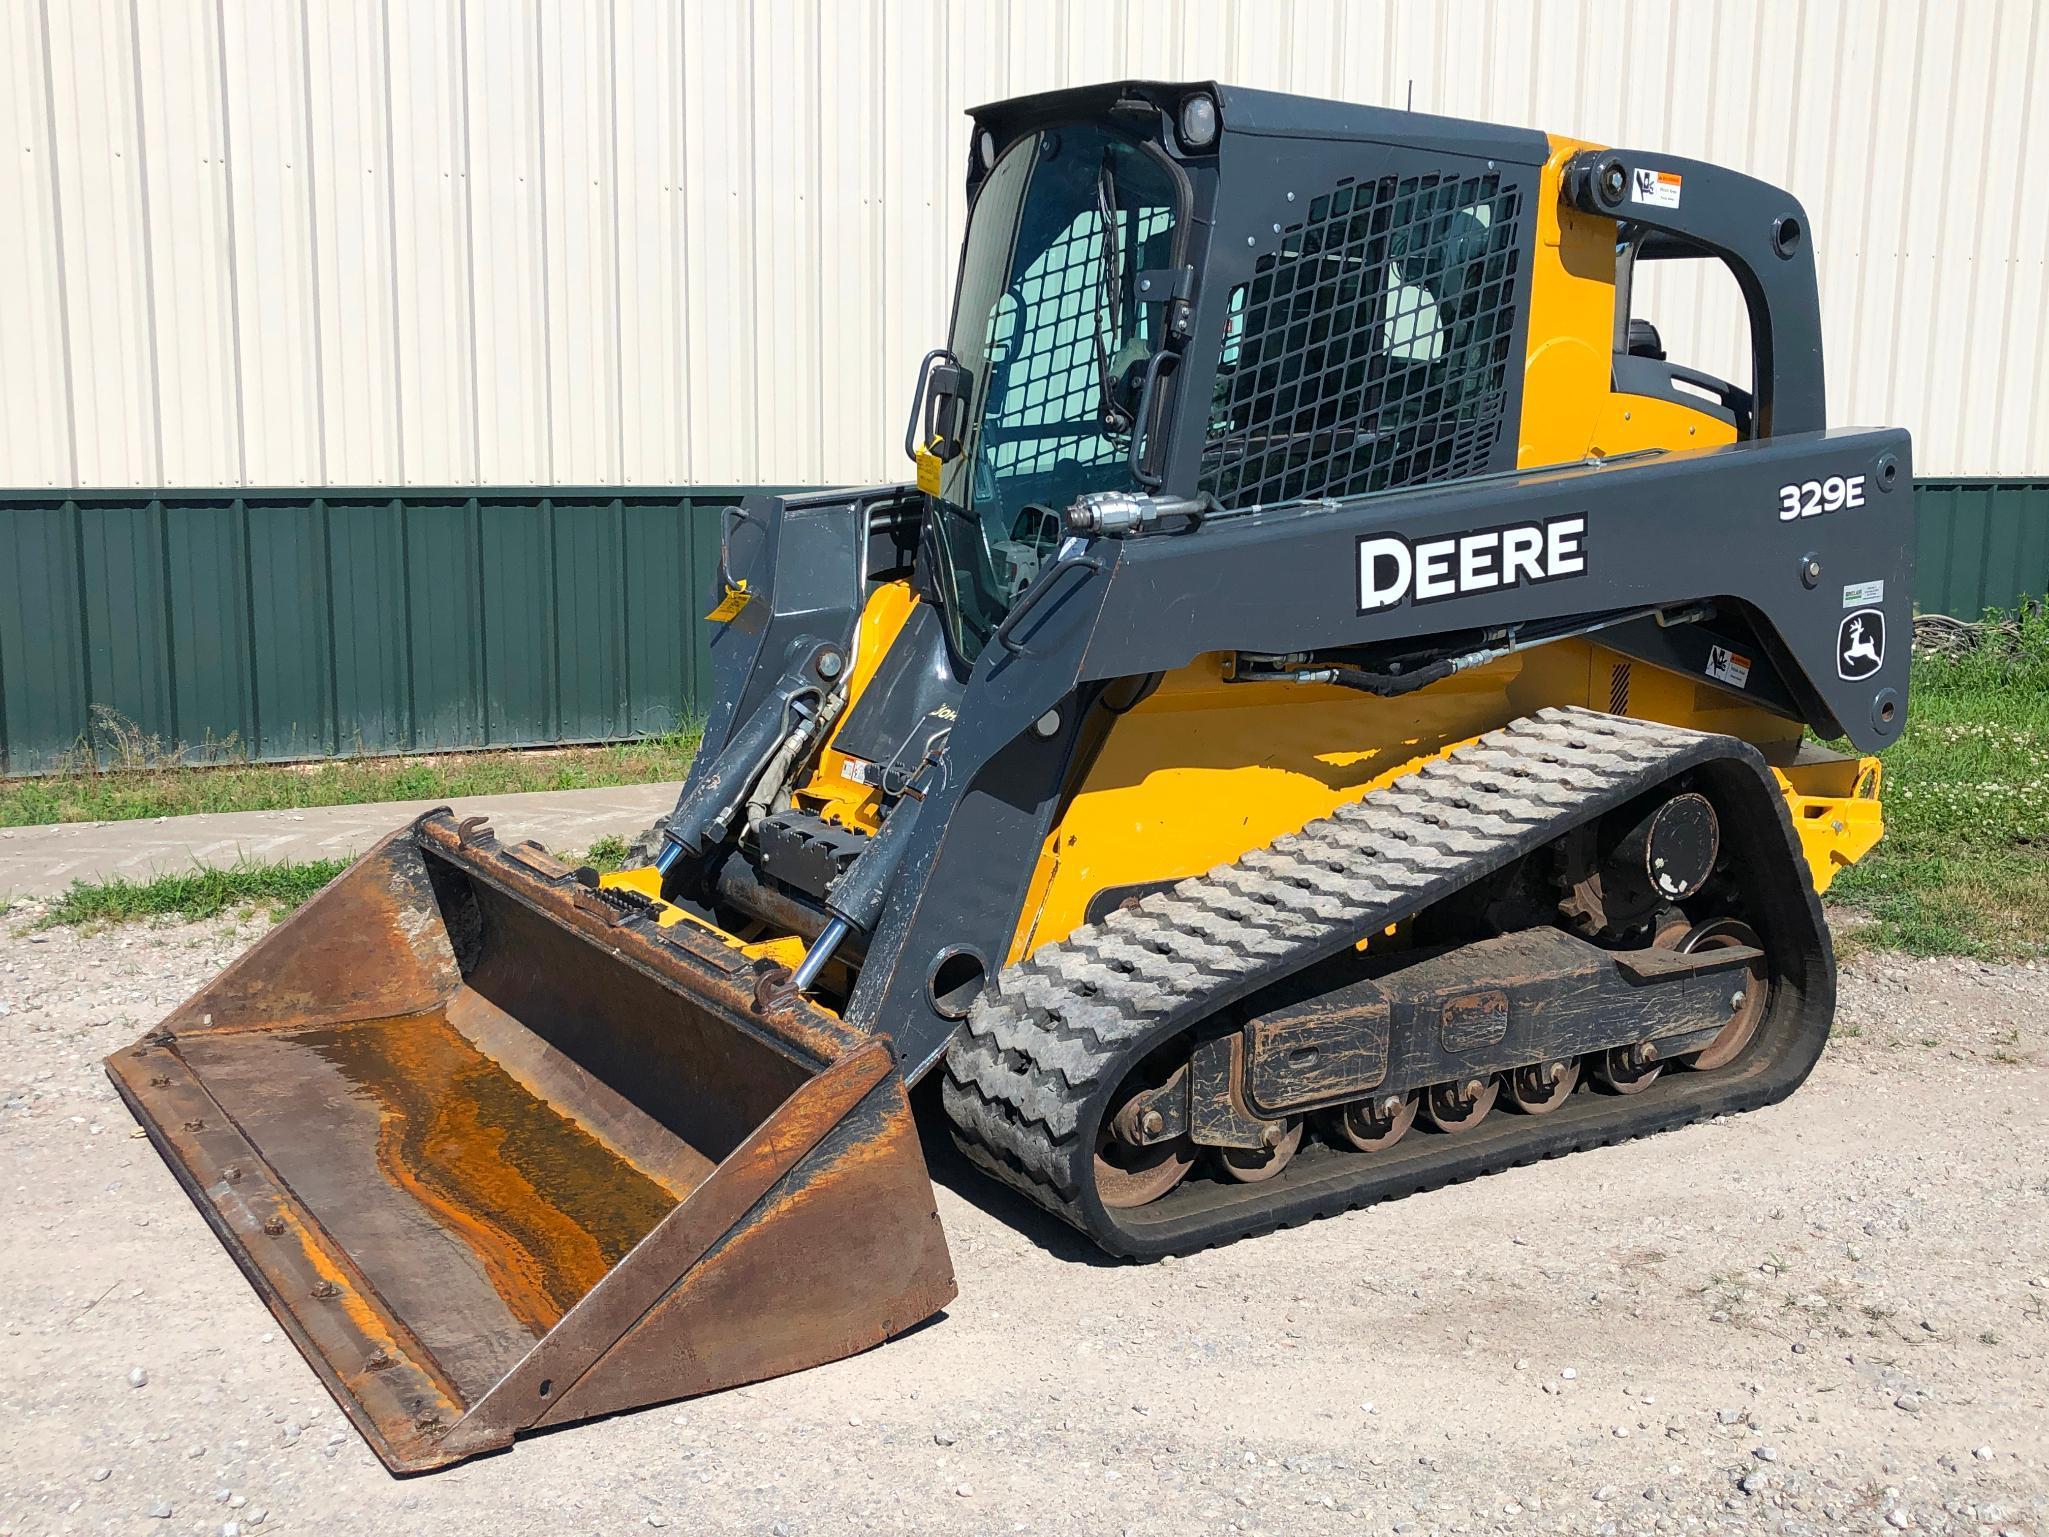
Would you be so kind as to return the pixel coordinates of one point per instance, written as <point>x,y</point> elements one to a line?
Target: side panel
<point>1748,527</point>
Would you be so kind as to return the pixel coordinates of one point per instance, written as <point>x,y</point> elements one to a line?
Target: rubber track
<point>1052,1037</point>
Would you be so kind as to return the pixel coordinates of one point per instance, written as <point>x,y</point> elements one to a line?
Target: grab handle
<point>1141,414</point>
<point>1034,595</point>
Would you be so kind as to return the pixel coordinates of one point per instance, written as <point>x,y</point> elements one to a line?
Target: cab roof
<point>1267,114</point>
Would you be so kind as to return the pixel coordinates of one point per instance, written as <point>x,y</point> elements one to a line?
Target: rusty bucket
<point>501,1151</point>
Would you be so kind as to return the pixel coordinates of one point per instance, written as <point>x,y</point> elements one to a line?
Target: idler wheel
<point>1130,1173</point>
<point>1749,991</point>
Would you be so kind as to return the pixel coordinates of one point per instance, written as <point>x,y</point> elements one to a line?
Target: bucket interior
<point>483,1161</point>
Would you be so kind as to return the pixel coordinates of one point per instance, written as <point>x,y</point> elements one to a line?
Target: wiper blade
<point>1114,417</point>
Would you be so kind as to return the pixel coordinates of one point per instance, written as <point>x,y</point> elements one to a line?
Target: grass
<point>273,888</point>
<point>1964,868</point>
<point>147,781</point>
<point>607,855</point>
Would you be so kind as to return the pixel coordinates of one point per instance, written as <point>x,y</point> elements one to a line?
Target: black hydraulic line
<point>1392,685</point>
<point>1389,685</point>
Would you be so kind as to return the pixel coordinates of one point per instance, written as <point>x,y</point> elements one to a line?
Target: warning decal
<point>1729,666</point>
<point>1659,189</point>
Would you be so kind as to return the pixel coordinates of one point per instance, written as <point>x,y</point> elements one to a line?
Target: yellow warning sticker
<point>928,472</point>
<point>730,605</point>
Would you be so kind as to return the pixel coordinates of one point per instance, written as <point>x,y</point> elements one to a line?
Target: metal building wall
<point>1983,544</point>
<point>635,242</point>
<point>306,624</point>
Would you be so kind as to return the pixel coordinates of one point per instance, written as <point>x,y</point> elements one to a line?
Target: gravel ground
<point>1827,1316</point>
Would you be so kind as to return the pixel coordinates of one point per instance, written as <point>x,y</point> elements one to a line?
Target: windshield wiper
<point>1114,417</point>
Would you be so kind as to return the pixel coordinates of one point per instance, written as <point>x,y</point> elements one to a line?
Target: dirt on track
<point>1831,1315</point>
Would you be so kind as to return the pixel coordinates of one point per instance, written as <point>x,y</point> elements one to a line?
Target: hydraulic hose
<point>705,811</point>
<point>1387,685</point>
<point>769,785</point>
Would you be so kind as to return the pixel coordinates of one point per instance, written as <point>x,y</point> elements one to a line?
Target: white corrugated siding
<point>299,242</point>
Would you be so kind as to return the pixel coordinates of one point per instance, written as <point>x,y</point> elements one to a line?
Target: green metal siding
<point>279,624</point>
<point>1984,544</point>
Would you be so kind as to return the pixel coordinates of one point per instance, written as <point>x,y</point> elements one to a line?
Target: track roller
<point>1250,1165</point>
<point>1542,1087</point>
<point>1373,1125</point>
<point>1628,1069</point>
<point>1456,1107</point>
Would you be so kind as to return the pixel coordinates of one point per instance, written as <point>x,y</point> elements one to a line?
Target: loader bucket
<point>500,1152</point>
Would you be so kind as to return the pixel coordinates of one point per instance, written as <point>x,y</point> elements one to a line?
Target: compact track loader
<point>1331,717</point>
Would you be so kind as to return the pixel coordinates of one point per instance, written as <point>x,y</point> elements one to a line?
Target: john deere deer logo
<point>1860,645</point>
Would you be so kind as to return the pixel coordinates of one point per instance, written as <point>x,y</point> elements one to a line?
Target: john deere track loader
<point>1330,717</point>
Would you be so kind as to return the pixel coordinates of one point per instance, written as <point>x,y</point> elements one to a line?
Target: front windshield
<point>1050,332</point>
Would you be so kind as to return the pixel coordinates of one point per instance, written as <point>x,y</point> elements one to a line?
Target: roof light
<point>1198,121</point>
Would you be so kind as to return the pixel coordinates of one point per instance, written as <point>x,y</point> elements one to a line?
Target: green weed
<point>607,855</point>
<point>1964,868</point>
<point>276,888</point>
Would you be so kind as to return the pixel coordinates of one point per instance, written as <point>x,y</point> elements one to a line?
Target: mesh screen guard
<point>1372,350</point>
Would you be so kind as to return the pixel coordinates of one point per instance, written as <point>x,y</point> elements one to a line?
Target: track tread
<point>1053,1035</point>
